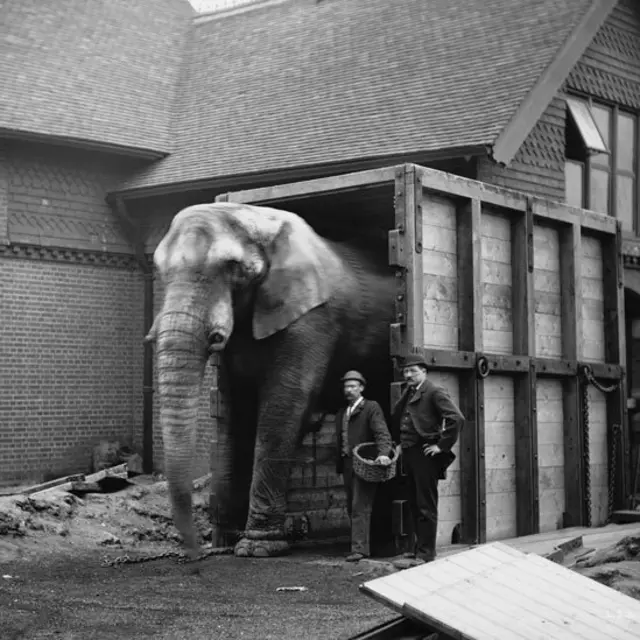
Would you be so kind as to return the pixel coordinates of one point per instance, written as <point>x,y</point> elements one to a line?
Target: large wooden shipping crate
<point>517,304</point>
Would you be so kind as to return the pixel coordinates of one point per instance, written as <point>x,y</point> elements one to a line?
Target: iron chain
<point>588,379</point>
<point>586,450</point>
<point>179,555</point>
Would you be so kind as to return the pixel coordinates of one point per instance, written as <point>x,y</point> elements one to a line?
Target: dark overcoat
<point>366,424</point>
<point>435,416</point>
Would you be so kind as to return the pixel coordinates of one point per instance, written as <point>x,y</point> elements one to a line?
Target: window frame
<point>613,171</point>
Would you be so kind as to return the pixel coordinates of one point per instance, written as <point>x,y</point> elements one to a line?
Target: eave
<point>82,143</point>
<point>231,181</point>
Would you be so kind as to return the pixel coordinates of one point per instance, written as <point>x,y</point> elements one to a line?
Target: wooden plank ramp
<point>496,592</point>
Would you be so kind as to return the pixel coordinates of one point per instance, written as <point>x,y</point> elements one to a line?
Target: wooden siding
<point>551,487</point>
<point>440,275</point>
<point>500,457</point>
<point>496,284</point>
<point>538,167</point>
<point>593,300</point>
<point>548,299</point>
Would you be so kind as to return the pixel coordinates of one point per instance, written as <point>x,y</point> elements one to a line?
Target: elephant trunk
<point>181,358</point>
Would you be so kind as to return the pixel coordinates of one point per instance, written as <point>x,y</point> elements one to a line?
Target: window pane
<point>574,183</point>
<point>599,191</point>
<point>625,201</point>
<point>586,125</point>
<point>602,116</point>
<point>626,142</point>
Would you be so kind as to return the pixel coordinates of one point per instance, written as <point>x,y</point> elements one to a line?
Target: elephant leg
<point>286,397</point>
<point>232,463</point>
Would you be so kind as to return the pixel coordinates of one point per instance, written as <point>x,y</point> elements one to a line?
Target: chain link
<point>179,555</point>
<point>586,449</point>
<point>587,379</point>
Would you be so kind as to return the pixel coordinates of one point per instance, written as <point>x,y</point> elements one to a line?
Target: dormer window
<point>601,168</point>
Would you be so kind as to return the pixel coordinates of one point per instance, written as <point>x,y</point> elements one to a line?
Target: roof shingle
<point>92,70</point>
<point>303,83</point>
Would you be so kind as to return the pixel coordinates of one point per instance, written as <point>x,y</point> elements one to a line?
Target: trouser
<point>360,497</point>
<point>422,474</point>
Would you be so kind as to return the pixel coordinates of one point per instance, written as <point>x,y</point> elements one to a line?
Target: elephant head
<point>210,256</point>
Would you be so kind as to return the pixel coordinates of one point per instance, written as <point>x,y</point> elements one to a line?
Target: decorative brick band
<point>69,256</point>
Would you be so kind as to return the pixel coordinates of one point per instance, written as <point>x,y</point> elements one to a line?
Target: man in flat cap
<point>360,421</point>
<point>427,423</point>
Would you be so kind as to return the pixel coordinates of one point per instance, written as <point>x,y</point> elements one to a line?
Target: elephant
<point>286,311</point>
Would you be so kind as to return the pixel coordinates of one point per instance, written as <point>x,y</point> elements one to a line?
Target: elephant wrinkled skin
<point>289,311</point>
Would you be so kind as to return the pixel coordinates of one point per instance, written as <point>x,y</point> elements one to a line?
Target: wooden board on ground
<point>495,591</point>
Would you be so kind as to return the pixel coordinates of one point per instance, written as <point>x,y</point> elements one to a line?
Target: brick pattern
<point>70,364</point>
<point>538,167</point>
<point>71,320</point>
<point>4,196</point>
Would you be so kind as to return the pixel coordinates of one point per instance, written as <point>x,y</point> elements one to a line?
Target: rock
<point>134,464</point>
<point>106,454</point>
<point>109,539</point>
<point>56,528</point>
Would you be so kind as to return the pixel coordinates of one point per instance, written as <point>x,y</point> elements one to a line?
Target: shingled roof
<point>92,70</point>
<point>300,82</point>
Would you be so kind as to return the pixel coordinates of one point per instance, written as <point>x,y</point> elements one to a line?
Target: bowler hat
<point>414,360</point>
<point>354,375</point>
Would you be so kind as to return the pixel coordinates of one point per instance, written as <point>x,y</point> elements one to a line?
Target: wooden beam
<point>471,388</point>
<point>469,243</point>
<point>445,359</point>
<point>314,188</point>
<point>499,363</point>
<point>413,256</point>
<point>525,422</point>
<point>558,368</point>
<point>523,286</point>
<point>452,186</point>
<point>524,349</point>
<point>472,459</point>
<point>615,351</point>
<point>571,293</point>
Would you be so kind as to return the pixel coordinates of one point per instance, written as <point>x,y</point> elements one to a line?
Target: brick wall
<point>71,319</point>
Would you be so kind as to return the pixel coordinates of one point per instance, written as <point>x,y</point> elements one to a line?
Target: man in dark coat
<point>360,421</point>
<point>427,423</point>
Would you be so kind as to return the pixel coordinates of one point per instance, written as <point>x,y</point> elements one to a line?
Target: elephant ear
<point>302,270</point>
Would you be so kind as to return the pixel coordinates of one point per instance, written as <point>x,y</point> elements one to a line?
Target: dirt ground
<point>53,583</point>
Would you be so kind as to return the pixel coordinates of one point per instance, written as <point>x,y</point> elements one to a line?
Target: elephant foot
<point>261,548</point>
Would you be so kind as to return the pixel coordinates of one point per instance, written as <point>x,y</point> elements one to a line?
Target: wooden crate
<point>530,287</point>
<point>535,288</point>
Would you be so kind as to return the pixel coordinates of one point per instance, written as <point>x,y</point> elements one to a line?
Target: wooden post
<point>615,352</point>
<point>571,289</point>
<point>472,469</point>
<point>525,423</point>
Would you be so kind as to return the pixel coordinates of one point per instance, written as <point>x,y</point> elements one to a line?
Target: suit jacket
<point>366,424</point>
<point>429,407</point>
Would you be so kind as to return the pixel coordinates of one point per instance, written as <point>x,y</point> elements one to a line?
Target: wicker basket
<point>365,467</point>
